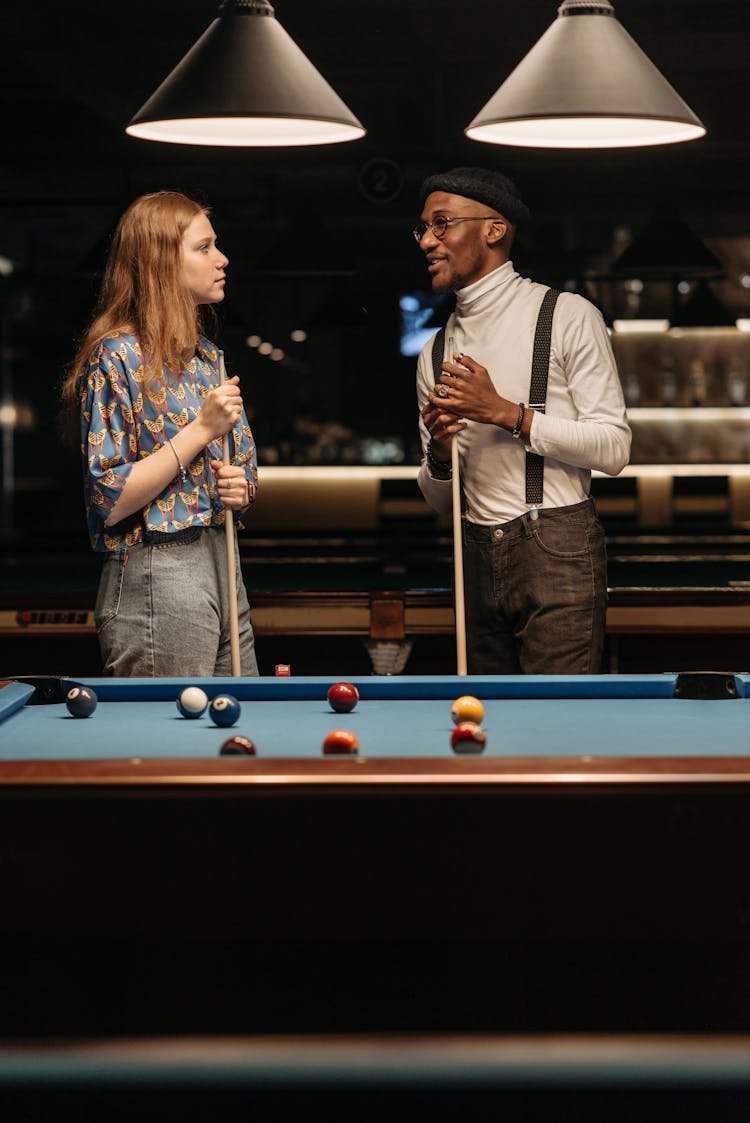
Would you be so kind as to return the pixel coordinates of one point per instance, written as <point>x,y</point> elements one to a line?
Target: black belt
<point>172,537</point>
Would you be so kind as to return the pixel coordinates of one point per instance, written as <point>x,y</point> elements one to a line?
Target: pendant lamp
<point>668,249</point>
<point>245,83</point>
<point>585,84</point>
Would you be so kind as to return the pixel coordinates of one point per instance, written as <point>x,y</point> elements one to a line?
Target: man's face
<point>462,255</point>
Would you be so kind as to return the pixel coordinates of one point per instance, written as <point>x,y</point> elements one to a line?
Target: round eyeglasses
<point>439,225</point>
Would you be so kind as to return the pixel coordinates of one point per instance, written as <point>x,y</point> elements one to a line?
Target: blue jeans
<point>536,593</point>
<point>162,609</point>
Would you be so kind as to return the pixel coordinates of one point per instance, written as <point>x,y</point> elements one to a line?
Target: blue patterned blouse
<point>121,424</point>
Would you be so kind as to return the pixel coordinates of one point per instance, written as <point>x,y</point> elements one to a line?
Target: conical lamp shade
<point>245,83</point>
<point>703,310</point>
<point>666,248</point>
<point>585,84</point>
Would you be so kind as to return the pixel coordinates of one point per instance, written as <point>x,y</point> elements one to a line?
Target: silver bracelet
<point>180,465</point>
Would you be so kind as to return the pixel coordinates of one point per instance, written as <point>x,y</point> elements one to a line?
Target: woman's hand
<point>234,489</point>
<point>221,409</point>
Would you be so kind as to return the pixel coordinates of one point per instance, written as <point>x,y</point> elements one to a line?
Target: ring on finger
<point>442,391</point>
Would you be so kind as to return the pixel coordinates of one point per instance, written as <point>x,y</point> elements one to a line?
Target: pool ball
<point>237,746</point>
<point>224,710</point>
<point>340,742</point>
<point>192,702</point>
<point>343,697</point>
<point>468,737</point>
<point>81,701</point>
<point>467,708</point>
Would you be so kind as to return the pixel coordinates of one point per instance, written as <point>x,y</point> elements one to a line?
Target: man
<point>534,556</point>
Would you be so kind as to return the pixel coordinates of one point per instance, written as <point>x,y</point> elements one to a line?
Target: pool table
<point>618,727</point>
<point>586,872</point>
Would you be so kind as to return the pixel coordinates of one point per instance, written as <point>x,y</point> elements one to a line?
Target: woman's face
<point>203,263</point>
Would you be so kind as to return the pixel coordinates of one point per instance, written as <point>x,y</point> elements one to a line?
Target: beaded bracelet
<point>439,469</point>
<point>521,411</point>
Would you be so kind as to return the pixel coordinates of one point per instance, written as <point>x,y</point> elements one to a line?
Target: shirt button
<point>498,532</point>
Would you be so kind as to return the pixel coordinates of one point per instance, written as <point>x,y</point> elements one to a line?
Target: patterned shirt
<point>121,423</point>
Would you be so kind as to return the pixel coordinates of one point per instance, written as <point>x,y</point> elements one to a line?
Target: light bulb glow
<point>247,132</point>
<point>585,132</point>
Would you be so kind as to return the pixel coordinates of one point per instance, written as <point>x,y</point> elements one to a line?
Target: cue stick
<point>458,551</point>
<point>234,628</point>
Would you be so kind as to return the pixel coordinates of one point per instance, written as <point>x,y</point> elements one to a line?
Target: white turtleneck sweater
<point>585,426</point>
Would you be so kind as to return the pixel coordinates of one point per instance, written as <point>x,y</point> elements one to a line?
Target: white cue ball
<point>192,702</point>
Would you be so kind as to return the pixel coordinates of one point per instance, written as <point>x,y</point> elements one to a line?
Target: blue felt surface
<point>390,727</point>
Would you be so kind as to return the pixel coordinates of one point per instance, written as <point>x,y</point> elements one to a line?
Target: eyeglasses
<point>441,224</point>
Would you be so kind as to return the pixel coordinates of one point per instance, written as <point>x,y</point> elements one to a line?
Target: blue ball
<point>224,710</point>
<point>81,701</point>
<point>192,702</point>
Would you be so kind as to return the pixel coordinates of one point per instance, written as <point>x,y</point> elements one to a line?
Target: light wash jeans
<point>536,593</point>
<point>162,609</point>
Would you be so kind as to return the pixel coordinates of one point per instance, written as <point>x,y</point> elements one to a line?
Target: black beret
<point>484,186</point>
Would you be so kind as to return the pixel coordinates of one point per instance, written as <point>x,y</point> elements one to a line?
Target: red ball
<point>343,697</point>
<point>340,742</point>
<point>237,746</point>
<point>468,737</point>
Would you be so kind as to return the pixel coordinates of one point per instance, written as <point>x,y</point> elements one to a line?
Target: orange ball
<point>467,708</point>
<point>340,742</point>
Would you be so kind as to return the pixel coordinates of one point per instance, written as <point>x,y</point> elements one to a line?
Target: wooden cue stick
<point>458,565</point>
<point>234,627</point>
<point>458,551</point>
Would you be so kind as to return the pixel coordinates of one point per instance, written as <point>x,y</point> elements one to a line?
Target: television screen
<point>419,321</point>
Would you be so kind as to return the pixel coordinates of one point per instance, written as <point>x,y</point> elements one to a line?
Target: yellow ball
<point>467,708</point>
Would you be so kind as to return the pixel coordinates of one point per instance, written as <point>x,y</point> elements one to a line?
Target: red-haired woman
<point>146,387</point>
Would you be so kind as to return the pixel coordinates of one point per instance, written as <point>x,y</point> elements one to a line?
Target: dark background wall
<point>318,238</point>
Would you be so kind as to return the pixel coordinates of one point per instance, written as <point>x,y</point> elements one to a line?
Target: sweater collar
<point>469,300</point>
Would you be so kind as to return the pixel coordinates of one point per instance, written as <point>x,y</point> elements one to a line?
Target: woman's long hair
<point>142,292</point>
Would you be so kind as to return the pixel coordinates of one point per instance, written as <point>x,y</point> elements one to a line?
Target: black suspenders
<point>537,389</point>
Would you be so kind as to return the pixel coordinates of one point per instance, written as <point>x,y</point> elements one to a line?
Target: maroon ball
<point>237,746</point>
<point>343,697</point>
<point>468,737</point>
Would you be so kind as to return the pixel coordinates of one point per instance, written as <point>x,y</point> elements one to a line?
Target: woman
<point>146,385</point>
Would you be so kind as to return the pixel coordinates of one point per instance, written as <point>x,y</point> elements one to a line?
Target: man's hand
<point>465,389</point>
<point>442,428</point>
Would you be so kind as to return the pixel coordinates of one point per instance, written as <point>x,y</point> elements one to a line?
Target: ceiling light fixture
<point>667,248</point>
<point>585,84</point>
<point>245,83</point>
